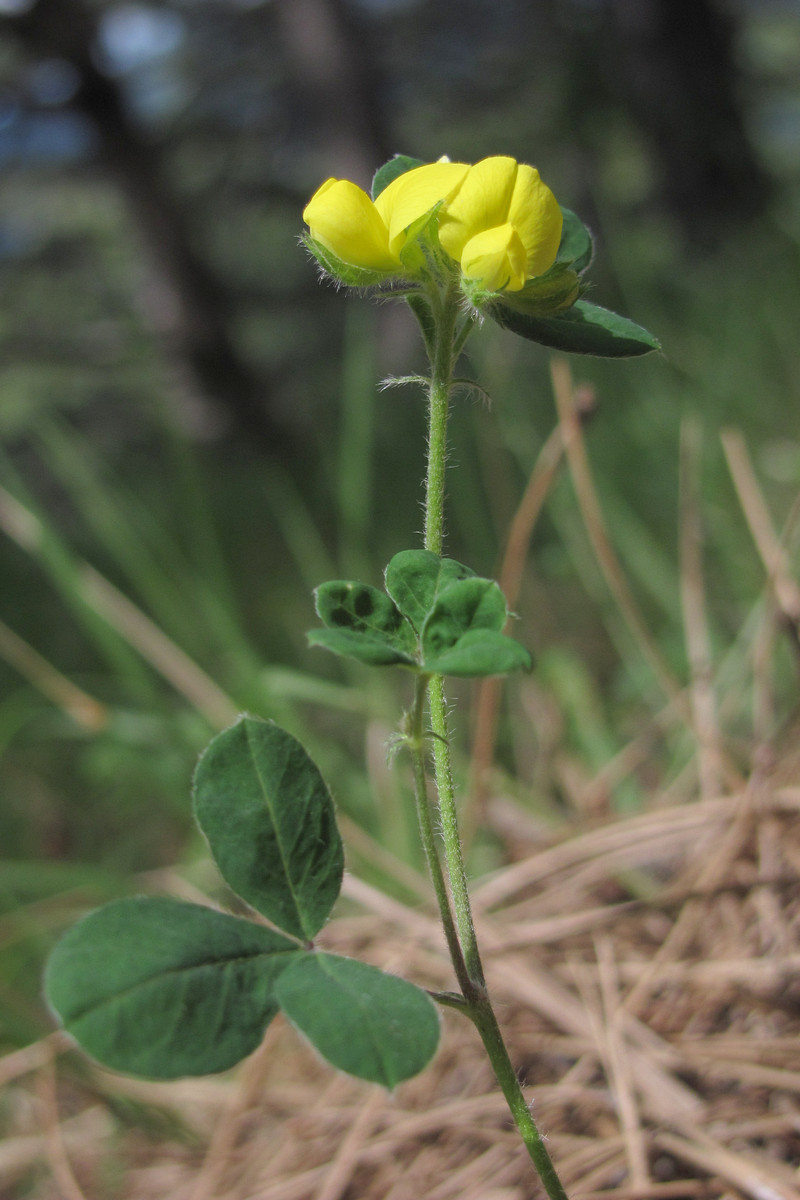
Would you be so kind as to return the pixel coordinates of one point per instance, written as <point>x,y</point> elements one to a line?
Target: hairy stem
<point>448,813</point>
<point>444,344</point>
<point>443,355</point>
<point>485,1021</point>
<point>416,741</point>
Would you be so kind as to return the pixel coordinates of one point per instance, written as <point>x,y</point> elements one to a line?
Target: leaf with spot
<point>160,988</point>
<point>463,632</point>
<point>467,604</point>
<point>270,823</point>
<point>438,617</point>
<point>363,623</point>
<point>458,615</point>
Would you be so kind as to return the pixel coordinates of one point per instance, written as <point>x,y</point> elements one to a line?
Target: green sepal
<point>363,1021</point>
<point>270,823</point>
<point>582,329</point>
<point>480,652</point>
<point>576,248</point>
<point>160,988</point>
<point>344,272</point>
<point>396,166</point>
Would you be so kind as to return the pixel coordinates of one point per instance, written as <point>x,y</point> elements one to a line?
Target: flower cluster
<point>495,221</point>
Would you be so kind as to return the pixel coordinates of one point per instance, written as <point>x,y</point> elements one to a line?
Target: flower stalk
<point>443,349</point>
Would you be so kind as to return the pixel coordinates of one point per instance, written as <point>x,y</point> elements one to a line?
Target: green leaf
<point>160,988</point>
<point>481,652</point>
<point>270,824</point>
<point>582,329</point>
<point>460,617</point>
<point>371,651</point>
<point>576,248</point>
<point>465,605</point>
<point>360,608</point>
<point>372,1025</point>
<point>363,623</point>
<point>391,170</point>
<point>414,579</point>
<point>438,601</point>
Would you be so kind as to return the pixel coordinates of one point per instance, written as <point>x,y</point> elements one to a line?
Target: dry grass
<point>659,1041</point>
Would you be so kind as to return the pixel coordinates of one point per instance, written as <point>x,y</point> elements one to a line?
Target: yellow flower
<point>503,225</point>
<point>343,219</point>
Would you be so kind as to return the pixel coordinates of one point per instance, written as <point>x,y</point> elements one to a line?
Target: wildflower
<point>503,225</point>
<point>371,235</point>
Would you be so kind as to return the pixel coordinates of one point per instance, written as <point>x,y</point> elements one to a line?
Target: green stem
<point>448,813</point>
<point>485,1021</point>
<point>443,359</point>
<point>443,356</point>
<point>416,742</point>
<point>444,344</point>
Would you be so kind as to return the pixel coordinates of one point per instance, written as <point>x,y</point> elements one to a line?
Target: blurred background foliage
<point>191,436</point>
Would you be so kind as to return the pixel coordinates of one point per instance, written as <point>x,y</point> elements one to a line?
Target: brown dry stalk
<point>72,700</point>
<point>592,514</point>
<point>759,1180</point>
<point>618,1065</point>
<point>543,475</point>
<point>55,1149</point>
<point>343,1164</point>
<point>31,1058</point>
<point>771,550</point>
<point>698,642</point>
<point>188,679</point>
<point>227,1130</point>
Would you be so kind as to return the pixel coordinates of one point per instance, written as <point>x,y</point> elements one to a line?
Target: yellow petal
<point>343,218</point>
<point>481,203</point>
<point>411,195</point>
<point>535,215</point>
<point>495,258</point>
